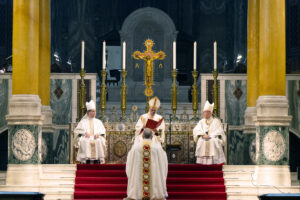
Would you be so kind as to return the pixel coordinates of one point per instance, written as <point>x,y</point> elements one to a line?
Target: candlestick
<point>104,55</point>
<point>82,54</point>
<point>174,94</point>
<point>82,94</point>
<point>195,95</point>
<point>123,94</point>
<point>174,55</point>
<point>103,93</point>
<point>124,56</point>
<point>195,55</point>
<point>215,55</point>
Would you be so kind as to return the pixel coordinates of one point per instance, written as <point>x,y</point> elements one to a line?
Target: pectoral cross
<point>148,56</point>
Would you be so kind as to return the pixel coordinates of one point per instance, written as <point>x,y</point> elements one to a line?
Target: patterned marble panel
<point>47,148</point>
<point>249,155</point>
<point>293,97</point>
<point>236,101</point>
<point>23,144</point>
<point>273,145</point>
<point>61,146</point>
<point>3,101</point>
<point>61,101</point>
<point>235,147</point>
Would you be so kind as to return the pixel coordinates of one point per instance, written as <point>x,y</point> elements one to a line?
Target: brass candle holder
<point>174,93</point>
<point>103,93</point>
<point>123,94</point>
<point>195,95</point>
<point>216,94</point>
<point>82,94</point>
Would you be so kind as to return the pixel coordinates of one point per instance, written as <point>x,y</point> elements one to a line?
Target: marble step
<point>261,189</point>
<point>238,182</point>
<point>239,175</point>
<point>59,195</point>
<point>241,196</point>
<point>238,168</point>
<point>62,188</point>
<point>55,181</point>
<point>58,168</point>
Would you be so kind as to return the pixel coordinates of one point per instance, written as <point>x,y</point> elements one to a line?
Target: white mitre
<point>154,103</point>
<point>208,107</point>
<point>90,105</point>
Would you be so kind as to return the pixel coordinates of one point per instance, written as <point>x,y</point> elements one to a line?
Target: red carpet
<point>184,182</point>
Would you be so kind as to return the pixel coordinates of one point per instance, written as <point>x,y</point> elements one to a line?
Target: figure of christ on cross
<point>149,56</point>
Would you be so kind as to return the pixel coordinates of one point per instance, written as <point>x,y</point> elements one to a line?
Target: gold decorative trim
<point>146,171</point>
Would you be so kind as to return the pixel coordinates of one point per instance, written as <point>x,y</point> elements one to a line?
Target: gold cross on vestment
<point>148,56</point>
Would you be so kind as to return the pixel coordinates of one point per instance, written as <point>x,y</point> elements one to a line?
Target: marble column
<point>252,75</point>
<point>272,120</point>
<point>24,116</point>
<point>44,80</point>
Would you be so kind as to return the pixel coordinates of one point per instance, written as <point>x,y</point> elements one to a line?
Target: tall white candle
<point>82,54</point>
<point>124,56</point>
<point>174,55</point>
<point>215,55</point>
<point>104,55</point>
<point>195,55</point>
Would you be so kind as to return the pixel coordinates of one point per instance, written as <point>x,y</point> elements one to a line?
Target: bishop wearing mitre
<point>210,138</point>
<point>147,169</point>
<point>159,132</point>
<point>91,137</point>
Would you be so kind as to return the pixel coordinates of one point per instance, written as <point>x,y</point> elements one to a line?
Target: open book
<point>152,124</point>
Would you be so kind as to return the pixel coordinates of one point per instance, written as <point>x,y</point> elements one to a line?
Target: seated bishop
<point>146,169</point>
<point>210,138</point>
<point>159,132</point>
<point>91,137</point>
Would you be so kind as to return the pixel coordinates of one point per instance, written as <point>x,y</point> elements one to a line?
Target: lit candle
<point>124,56</point>
<point>215,55</point>
<point>174,55</point>
<point>82,54</point>
<point>195,55</point>
<point>104,55</point>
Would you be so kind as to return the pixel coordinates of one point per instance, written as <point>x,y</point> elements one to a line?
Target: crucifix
<point>148,56</point>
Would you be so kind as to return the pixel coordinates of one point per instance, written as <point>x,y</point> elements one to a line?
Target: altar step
<point>57,182</point>
<point>240,185</point>
<point>183,182</point>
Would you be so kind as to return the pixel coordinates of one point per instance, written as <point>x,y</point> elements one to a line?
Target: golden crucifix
<point>148,56</point>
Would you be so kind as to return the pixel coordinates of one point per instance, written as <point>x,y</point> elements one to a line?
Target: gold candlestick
<point>195,95</point>
<point>215,94</point>
<point>103,93</point>
<point>174,93</point>
<point>123,93</point>
<point>82,94</point>
<point>147,104</point>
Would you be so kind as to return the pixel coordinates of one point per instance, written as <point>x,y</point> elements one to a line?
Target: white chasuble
<point>91,148</point>
<point>142,122</point>
<point>146,169</point>
<point>209,151</point>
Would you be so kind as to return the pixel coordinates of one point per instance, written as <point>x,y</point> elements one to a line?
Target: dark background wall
<point>203,21</point>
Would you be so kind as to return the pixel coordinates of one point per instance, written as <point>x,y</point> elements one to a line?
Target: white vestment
<point>135,166</point>
<point>143,120</point>
<point>91,148</point>
<point>209,151</point>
